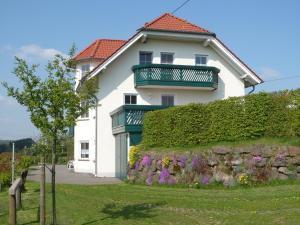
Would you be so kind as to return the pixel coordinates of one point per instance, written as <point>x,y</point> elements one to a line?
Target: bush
<point>5,178</point>
<point>234,119</point>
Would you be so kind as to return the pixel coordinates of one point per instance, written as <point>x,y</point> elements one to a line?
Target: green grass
<point>288,141</point>
<point>137,204</point>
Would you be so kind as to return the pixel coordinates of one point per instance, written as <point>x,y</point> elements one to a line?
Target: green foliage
<point>234,119</point>
<point>24,163</point>
<point>5,178</point>
<point>133,155</point>
<point>53,104</point>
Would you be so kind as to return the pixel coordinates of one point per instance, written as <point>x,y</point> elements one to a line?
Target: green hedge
<point>238,118</point>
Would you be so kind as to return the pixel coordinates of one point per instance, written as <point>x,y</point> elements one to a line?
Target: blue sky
<point>265,34</point>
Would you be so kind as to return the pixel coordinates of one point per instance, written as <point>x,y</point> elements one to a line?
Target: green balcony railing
<point>205,77</point>
<point>129,118</point>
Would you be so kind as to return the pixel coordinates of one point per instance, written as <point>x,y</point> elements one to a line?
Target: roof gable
<point>100,49</point>
<point>169,22</point>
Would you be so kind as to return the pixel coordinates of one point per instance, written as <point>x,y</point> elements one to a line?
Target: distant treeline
<point>6,145</point>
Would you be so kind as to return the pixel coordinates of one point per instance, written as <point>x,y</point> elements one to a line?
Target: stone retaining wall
<point>230,166</point>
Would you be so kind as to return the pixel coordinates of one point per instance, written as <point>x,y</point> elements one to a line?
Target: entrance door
<point>121,155</point>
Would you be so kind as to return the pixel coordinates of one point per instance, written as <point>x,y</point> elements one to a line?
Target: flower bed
<point>229,166</point>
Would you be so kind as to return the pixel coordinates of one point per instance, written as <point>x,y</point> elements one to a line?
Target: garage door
<point>121,155</point>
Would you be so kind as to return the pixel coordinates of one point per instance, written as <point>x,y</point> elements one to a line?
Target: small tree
<point>52,103</point>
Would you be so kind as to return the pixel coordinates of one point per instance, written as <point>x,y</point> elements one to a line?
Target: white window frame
<point>84,158</point>
<point>201,55</point>
<point>169,53</point>
<point>85,115</point>
<point>167,95</point>
<point>145,52</point>
<point>84,73</point>
<point>129,94</point>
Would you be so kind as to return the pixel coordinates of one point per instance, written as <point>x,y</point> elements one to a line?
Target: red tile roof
<point>170,22</point>
<point>100,49</point>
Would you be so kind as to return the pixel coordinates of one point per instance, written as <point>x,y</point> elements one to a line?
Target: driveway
<point>66,176</point>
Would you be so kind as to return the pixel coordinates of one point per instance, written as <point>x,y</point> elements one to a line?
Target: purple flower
<point>146,160</point>
<point>182,161</point>
<point>196,162</point>
<point>149,180</point>
<point>136,166</point>
<point>205,180</point>
<point>164,176</point>
<point>257,158</point>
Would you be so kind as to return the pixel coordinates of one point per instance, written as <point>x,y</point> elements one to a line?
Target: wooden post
<point>12,201</point>
<point>18,198</point>
<point>12,210</point>
<point>42,193</point>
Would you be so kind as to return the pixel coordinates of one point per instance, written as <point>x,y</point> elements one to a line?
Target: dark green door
<point>121,155</point>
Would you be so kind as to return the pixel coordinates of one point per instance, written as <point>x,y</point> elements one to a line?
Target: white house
<point>167,62</point>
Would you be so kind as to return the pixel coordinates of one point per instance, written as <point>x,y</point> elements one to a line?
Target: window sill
<point>83,119</point>
<point>83,159</point>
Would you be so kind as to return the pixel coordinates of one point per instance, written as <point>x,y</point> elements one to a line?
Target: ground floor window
<point>167,100</point>
<point>84,149</point>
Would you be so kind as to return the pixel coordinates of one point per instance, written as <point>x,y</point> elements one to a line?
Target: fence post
<point>42,193</point>
<point>12,192</point>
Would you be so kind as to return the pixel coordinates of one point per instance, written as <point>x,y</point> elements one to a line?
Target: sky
<point>263,33</point>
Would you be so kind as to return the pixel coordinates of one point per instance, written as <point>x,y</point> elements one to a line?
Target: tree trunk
<point>42,193</point>
<point>53,182</point>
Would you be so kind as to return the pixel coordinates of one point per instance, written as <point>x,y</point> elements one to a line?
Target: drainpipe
<point>253,89</point>
<point>96,133</point>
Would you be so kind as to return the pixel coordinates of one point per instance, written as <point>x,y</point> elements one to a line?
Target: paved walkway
<point>66,176</point>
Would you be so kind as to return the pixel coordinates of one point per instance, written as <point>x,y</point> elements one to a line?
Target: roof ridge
<point>186,21</point>
<point>108,39</point>
<point>96,49</point>
<point>153,21</point>
<point>85,49</point>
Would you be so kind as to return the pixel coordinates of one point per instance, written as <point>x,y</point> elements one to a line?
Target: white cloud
<point>268,72</point>
<point>35,52</point>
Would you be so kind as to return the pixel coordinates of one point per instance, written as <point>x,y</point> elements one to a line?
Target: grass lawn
<point>137,204</point>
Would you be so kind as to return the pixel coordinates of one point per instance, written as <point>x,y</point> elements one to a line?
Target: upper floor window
<point>201,60</point>
<point>167,100</point>
<point>166,58</point>
<point>86,114</point>
<point>85,69</point>
<point>145,58</point>
<point>130,99</point>
<point>84,148</point>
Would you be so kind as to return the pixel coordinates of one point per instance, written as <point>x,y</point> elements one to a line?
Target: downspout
<point>253,89</point>
<point>96,133</point>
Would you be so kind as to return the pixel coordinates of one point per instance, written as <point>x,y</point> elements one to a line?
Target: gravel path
<point>66,176</point>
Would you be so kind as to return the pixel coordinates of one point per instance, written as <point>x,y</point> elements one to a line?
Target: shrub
<point>234,119</point>
<point>133,155</point>
<point>5,178</point>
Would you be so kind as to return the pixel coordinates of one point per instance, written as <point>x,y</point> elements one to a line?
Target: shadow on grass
<point>133,211</point>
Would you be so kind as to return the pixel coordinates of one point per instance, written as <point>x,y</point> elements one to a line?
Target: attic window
<point>85,69</point>
<point>201,60</point>
<point>145,58</point>
<point>166,58</point>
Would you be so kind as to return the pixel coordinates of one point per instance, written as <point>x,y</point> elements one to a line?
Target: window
<point>167,100</point>
<point>201,60</point>
<point>84,146</point>
<point>86,114</point>
<point>85,69</point>
<point>130,99</point>
<point>166,58</point>
<point>145,58</point>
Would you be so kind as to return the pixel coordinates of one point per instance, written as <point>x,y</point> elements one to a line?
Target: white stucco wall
<point>118,79</point>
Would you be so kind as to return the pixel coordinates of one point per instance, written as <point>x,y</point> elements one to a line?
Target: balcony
<point>129,118</point>
<point>175,76</point>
